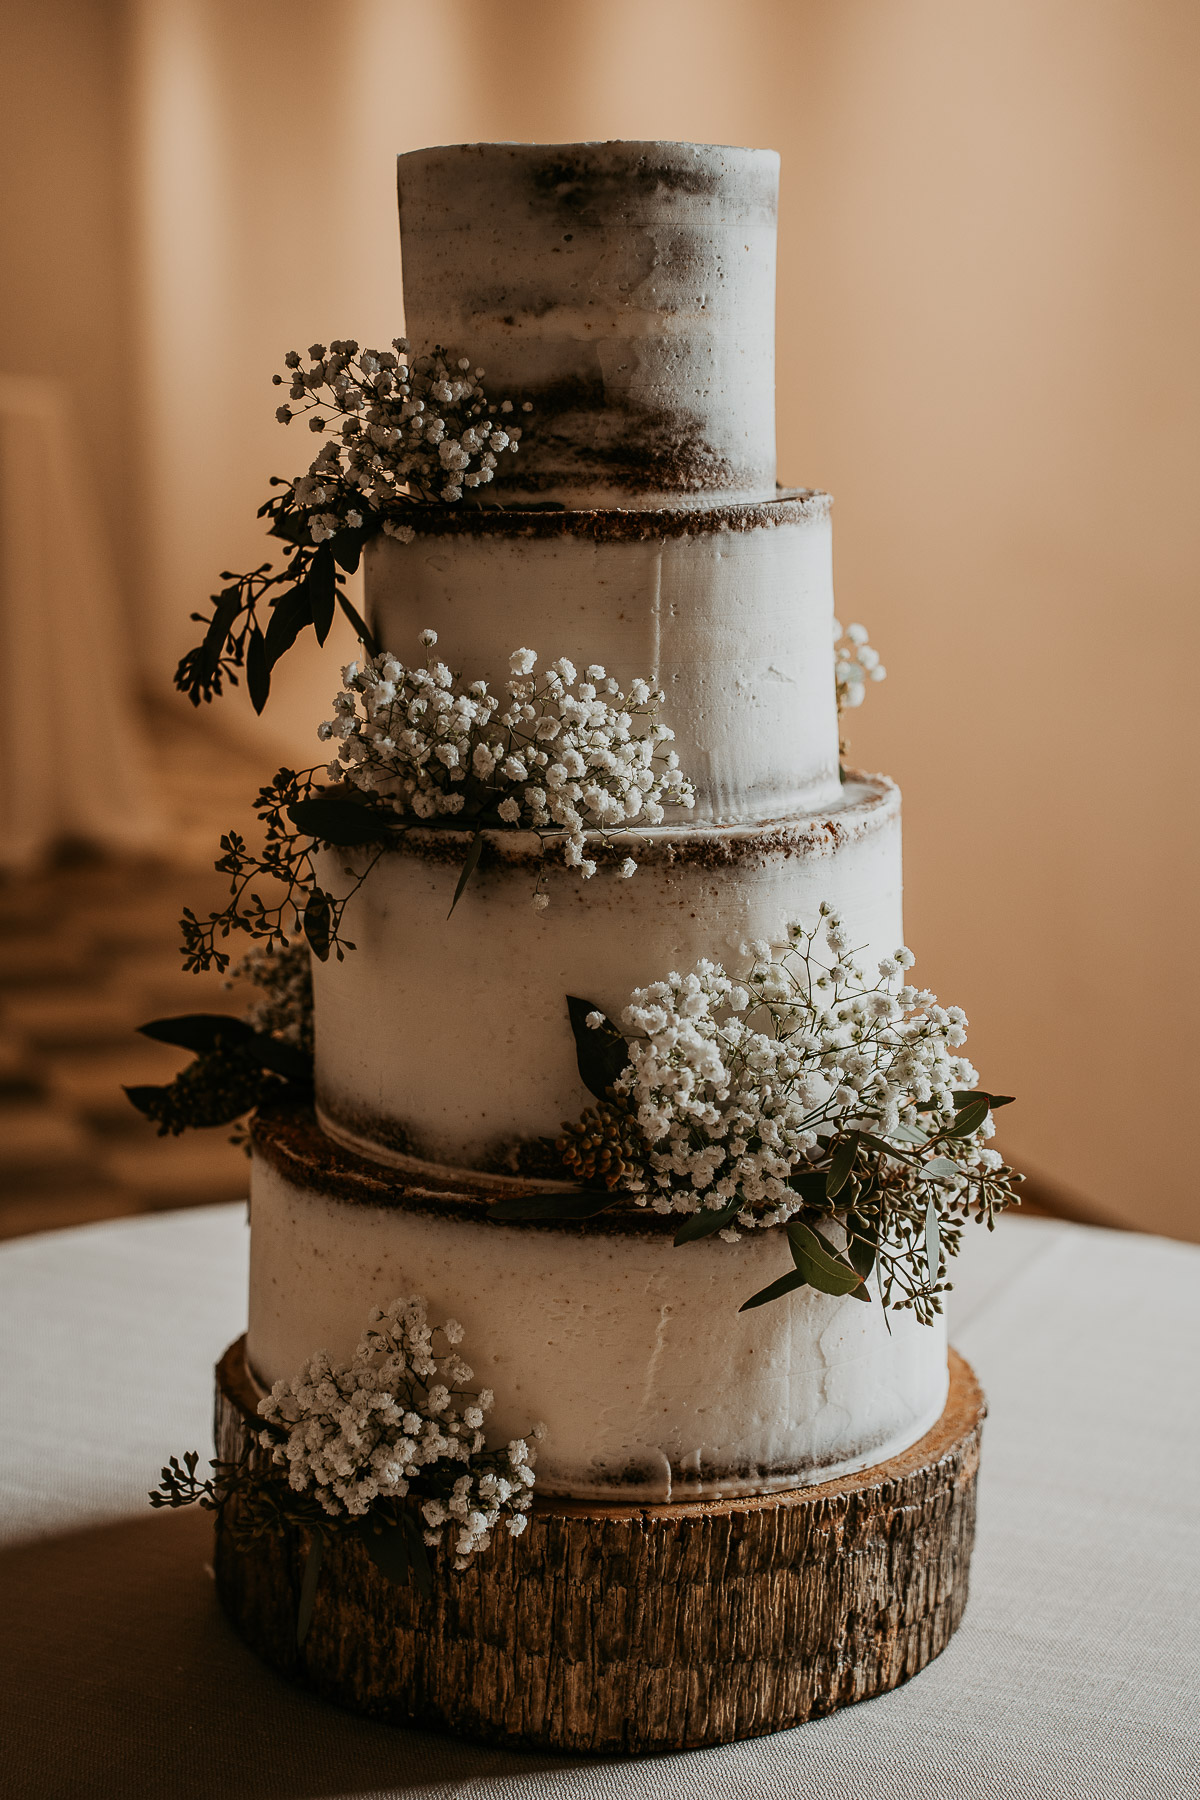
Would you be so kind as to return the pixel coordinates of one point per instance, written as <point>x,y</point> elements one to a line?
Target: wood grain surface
<point>628,1630</point>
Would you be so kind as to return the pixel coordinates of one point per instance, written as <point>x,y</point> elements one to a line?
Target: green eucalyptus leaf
<point>200,1032</point>
<point>940,1167</point>
<point>841,1165</point>
<point>258,670</point>
<point>878,1143</point>
<point>602,1053</point>
<point>282,1059</point>
<point>308,1587</point>
<point>704,1223</point>
<point>964,1095</point>
<point>470,864</point>
<point>787,1284</point>
<point>290,614</point>
<point>228,607</point>
<point>809,1184</point>
<point>933,1240</point>
<point>911,1134</point>
<point>318,923</point>
<point>336,820</point>
<point>818,1262</point>
<point>968,1119</point>
<point>347,546</point>
<point>861,1246</point>
<point>321,585</point>
<point>148,1099</point>
<point>583,1205</point>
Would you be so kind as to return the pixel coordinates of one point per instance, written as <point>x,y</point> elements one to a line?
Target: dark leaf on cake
<point>841,1165</point>
<point>308,1587</point>
<point>318,923</point>
<point>818,1262</point>
<point>347,547</point>
<point>933,1240</point>
<point>703,1224</point>
<point>321,588</point>
<point>258,670</point>
<point>198,1031</point>
<point>289,616</point>
<point>968,1119</point>
<point>282,1059</point>
<point>861,1243</point>
<point>787,1284</point>
<point>601,1051</point>
<point>342,822</point>
<point>962,1096</point>
<point>228,606</point>
<point>809,1184</point>
<point>470,864</point>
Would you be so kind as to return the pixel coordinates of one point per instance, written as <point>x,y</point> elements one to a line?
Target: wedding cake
<point>625,293</point>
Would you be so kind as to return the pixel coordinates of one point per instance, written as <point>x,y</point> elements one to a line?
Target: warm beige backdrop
<point>987,351</point>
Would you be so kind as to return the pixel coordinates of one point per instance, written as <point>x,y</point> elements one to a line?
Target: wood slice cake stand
<point>631,1630</point>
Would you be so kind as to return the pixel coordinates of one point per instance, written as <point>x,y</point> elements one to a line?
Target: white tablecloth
<point>1075,1673</point>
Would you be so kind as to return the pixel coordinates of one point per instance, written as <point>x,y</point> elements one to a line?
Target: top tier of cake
<point>626,289</point>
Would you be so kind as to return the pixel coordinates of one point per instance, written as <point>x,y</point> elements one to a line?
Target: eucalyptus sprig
<point>389,1449</point>
<point>297,816</point>
<point>257,617</point>
<point>801,1098</point>
<point>254,1502</point>
<point>399,430</point>
<point>240,1063</point>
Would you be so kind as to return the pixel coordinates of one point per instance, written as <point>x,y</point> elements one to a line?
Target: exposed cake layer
<point>630,1350</point>
<point>729,612</point>
<point>449,1036</point>
<point>626,289</point>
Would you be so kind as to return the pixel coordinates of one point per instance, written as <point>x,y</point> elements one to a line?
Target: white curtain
<point>74,764</point>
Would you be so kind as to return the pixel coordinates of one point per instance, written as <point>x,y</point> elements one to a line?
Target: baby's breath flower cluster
<point>856,662</point>
<point>283,1008</point>
<point>401,426</point>
<point>805,1089</point>
<point>399,1421</point>
<point>561,752</point>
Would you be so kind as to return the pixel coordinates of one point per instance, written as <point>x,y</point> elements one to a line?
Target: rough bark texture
<point>630,1630</point>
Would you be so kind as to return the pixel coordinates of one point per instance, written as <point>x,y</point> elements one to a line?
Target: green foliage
<point>257,617</point>
<point>256,1500</point>
<point>295,817</point>
<point>601,1051</point>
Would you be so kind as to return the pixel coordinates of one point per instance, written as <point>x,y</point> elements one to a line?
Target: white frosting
<point>455,1030</point>
<point>734,625</point>
<point>626,289</point>
<point>632,1352</point>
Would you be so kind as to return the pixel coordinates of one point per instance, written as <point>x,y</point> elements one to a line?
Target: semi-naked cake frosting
<point>627,290</point>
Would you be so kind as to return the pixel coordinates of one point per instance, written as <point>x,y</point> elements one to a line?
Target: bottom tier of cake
<point>625,1630</point>
<point>631,1351</point>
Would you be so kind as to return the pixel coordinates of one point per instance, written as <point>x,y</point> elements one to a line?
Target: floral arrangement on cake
<point>403,429</point>
<point>417,747</point>
<point>389,1449</point>
<point>801,1095</point>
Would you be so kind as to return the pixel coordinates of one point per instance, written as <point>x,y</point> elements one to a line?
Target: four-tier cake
<point>625,292</point>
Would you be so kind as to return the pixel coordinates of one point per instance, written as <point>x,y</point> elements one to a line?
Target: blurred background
<point>987,351</point>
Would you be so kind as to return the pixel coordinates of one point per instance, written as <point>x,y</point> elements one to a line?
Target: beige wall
<point>988,293</point>
<point>65,289</point>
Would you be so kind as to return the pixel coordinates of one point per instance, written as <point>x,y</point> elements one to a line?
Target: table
<point>1073,1676</point>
